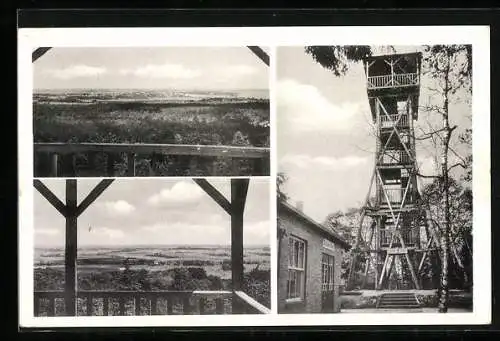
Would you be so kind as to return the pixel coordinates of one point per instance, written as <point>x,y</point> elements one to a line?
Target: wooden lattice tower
<point>398,239</point>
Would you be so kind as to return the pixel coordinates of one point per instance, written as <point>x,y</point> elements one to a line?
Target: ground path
<point>419,310</point>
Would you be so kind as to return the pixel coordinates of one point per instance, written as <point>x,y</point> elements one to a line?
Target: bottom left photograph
<point>152,246</point>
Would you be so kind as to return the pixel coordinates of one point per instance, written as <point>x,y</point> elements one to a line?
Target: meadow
<point>151,268</point>
<point>127,116</point>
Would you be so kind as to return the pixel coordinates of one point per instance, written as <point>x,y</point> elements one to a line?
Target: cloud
<point>325,162</point>
<point>185,233</point>
<point>237,70</point>
<point>106,232</point>
<point>166,70</point>
<point>257,232</point>
<point>76,71</point>
<point>120,207</point>
<point>182,192</point>
<point>47,231</point>
<point>305,109</point>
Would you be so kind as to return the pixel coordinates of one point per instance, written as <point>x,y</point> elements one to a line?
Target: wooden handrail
<point>62,157</point>
<point>261,309</point>
<point>392,80</point>
<point>170,149</point>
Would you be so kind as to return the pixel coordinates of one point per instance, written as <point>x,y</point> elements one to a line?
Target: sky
<point>200,68</point>
<point>325,138</point>
<point>152,212</point>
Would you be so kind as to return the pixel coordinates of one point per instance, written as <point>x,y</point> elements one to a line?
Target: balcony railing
<point>134,303</point>
<point>395,157</point>
<point>389,121</point>
<point>410,238</point>
<point>394,196</point>
<point>393,80</point>
<point>108,159</point>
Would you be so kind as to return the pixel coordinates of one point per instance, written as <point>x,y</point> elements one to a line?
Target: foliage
<point>237,123</point>
<point>257,284</point>
<point>281,179</point>
<point>337,58</point>
<point>460,237</point>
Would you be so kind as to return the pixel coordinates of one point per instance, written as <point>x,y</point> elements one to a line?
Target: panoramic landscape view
<point>123,110</point>
<point>165,251</point>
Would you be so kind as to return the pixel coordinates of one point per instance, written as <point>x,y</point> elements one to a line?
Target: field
<point>155,268</point>
<point>214,259</point>
<point>163,117</point>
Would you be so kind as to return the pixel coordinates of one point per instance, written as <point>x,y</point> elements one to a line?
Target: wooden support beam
<point>259,52</point>
<point>93,195</point>
<point>239,188</point>
<point>70,285</point>
<point>51,197</point>
<point>131,164</point>
<point>38,53</point>
<point>214,194</point>
<point>54,165</point>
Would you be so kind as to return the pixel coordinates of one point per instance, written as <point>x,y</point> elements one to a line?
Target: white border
<point>478,36</point>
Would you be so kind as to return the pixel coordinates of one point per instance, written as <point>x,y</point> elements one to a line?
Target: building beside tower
<point>309,263</point>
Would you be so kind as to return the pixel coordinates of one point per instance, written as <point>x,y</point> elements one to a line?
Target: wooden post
<point>68,165</point>
<point>219,306</point>
<point>89,304</point>
<point>71,248</point>
<point>154,308</point>
<point>137,303</point>
<point>36,305</point>
<point>110,165</point>
<point>54,165</point>
<point>105,306</point>
<point>131,164</point>
<point>239,188</point>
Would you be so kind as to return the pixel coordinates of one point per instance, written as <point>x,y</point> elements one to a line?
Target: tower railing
<point>395,157</point>
<point>410,237</point>
<point>393,80</point>
<point>388,121</point>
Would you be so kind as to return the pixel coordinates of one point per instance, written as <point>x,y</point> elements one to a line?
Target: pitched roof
<point>309,221</point>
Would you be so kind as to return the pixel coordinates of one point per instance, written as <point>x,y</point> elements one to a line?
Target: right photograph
<point>374,185</point>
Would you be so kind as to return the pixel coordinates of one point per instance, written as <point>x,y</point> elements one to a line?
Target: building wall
<point>312,301</point>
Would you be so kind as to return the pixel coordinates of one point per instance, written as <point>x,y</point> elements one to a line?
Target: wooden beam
<point>239,188</point>
<point>214,194</point>
<point>259,52</point>
<point>70,285</point>
<point>38,53</point>
<point>151,148</point>
<point>93,195</point>
<point>51,197</point>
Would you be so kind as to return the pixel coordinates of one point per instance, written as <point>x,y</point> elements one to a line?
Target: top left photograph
<point>144,112</point>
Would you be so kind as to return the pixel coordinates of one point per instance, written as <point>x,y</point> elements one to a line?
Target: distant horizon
<point>148,245</point>
<point>155,89</point>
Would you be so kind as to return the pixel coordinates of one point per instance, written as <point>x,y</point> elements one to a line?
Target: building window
<point>327,264</point>
<point>296,268</point>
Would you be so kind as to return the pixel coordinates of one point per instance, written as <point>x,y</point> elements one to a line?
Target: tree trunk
<point>445,236</point>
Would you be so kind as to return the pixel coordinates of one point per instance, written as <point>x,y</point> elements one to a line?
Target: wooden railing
<point>82,159</point>
<point>395,157</point>
<point>393,80</point>
<point>388,121</point>
<point>122,303</point>
<point>394,196</point>
<point>410,237</point>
